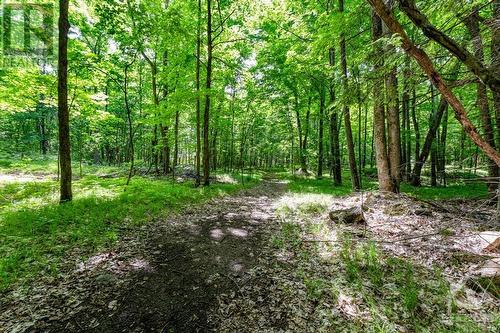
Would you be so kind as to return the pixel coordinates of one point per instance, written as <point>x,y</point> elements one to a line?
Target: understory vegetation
<point>376,291</point>
<point>36,233</point>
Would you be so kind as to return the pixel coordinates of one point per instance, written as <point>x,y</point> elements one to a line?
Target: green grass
<point>36,232</point>
<point>395,291</point>
<point>301,184</point>
<point>452,191</point>
<point>458,190</point>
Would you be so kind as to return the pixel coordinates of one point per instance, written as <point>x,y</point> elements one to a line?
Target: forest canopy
<point>310,86</point>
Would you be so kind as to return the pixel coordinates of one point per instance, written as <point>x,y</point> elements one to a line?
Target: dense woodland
<point>128,112</point>
<point>311,86</point>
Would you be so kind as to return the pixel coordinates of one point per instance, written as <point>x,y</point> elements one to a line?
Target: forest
<point>250,166</point>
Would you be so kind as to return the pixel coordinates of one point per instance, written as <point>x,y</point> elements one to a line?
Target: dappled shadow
<point>187,263</point>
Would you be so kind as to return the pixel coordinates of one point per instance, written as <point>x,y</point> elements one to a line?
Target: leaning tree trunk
<point>62,104</point>
<point>429,139</point>
<point>474,64</point>
<point>427,66</point>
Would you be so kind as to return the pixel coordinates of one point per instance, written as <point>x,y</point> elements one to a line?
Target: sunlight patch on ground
<point>110,261</point>
<point>293,202</point>
<point>20,178</point>
<point>226,179</point>
<point>52,197</point>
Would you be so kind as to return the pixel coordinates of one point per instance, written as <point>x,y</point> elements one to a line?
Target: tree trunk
<point>426,64</point>
<point>62,103</point>
<point>165,149</point>
<point>434,164</point>
<point>334,129</point>
<point>356,185</point>
<point>129,120</point>
<point>393,129</point>
<point>442,150</point>
<point>406,122</point>
<point>198,102</point>
<point>495,61</point>
<point>416,128</point>
<point>176,141</point>
<point>429,139</point>
<point>472,23</point>
<point>382,159</point>
<point>206,115</point>
<point>320,130</point>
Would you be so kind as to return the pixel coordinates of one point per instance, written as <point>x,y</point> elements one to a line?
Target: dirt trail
<point>163,277</point>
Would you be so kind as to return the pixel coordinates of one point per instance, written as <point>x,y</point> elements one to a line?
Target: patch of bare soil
<point>162,277</point>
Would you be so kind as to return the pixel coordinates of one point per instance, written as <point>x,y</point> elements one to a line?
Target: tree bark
<point>129,121</point>
<point>356,185</point>
<point>198,102</point>
<point>379,137</point>
<point>62,103</point>
<point>320,129</point>
<point>495,61</point>
<point>406,123</point>
<point>442,149</point>
<point>429,139</point>
<point>472,23</point>
<point>393,129</point>
<point>393,125</point>
<point>416,128</point>
<point>206,115</point>
<point>426,64</point>
<point>334,129</point>
<point>176,141</point>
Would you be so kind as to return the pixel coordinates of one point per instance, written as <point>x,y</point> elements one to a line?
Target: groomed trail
<point>161,277</point>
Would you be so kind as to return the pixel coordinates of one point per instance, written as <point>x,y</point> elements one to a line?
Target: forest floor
<point>268,259</point>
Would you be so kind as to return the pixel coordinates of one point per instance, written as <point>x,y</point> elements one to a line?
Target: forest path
<point>166,276</point>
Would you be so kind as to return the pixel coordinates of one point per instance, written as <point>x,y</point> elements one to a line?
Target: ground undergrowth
<point>36,232</point>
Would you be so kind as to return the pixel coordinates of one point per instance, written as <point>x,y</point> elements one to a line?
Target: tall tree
<point>336,167</point>
<point>208,86</point>
<point>62,103</point>
<point>198,101</point>
<point>356,184</point>
<point>474,64</point>
<point>428,67</point>
<point>472,23</point>
<point>379,137</point>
